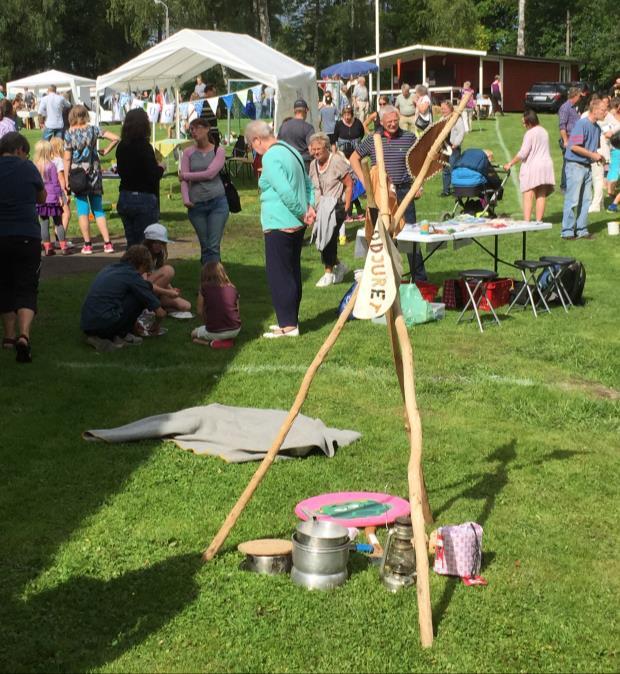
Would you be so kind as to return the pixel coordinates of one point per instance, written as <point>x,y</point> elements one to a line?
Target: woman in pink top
<point>536,176</point>
<point>203,191</point>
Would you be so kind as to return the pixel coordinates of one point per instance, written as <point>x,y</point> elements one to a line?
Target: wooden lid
<point>263,547</point>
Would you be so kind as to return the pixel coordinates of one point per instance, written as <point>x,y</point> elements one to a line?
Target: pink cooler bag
<point>459,552</point>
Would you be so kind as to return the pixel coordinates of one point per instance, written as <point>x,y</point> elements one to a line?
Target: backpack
<point>573,278</point>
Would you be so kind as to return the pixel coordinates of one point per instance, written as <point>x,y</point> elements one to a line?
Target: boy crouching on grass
<point>117,296</point>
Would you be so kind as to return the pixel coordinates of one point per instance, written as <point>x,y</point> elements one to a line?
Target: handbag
<point>232,196</point>
<point>422,123</point>
<point>458,552</point>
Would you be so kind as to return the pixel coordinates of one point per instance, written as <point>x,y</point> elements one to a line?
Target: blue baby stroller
<point>476,184</point>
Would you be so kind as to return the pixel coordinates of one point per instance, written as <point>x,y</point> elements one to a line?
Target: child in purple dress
<point>53,206</point>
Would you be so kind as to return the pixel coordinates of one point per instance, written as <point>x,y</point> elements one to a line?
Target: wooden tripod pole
<point>248,492</point>
<point>417,492</point>
<point>402,353</point>
<point>435,148</point>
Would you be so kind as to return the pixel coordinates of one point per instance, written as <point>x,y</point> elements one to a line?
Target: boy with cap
<point>296,131</point>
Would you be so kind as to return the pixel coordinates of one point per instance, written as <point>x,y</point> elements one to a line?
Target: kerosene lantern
<point>397,568</point>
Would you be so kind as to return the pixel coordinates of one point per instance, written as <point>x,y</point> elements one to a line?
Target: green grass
<point>100,555</point>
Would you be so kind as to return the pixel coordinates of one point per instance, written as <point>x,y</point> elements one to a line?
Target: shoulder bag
<point>232,196</point>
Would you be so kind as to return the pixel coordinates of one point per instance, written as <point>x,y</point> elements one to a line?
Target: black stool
<point>557,267</point>
<point>480,277</point>
<point>530,266</point>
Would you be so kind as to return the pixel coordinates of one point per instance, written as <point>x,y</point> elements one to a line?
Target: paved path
<point>58,265</point>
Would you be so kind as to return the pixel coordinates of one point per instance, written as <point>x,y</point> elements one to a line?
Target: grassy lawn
<point>100,554</point>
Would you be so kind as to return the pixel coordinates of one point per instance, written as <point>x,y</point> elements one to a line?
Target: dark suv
<point>546,96</point>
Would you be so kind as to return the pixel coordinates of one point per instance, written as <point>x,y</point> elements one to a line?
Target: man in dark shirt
<point>117,296</point>
<point>396,144</point>
<point>296,131</point>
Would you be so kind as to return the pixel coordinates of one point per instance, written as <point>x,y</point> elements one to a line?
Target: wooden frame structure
<point>376,294</point>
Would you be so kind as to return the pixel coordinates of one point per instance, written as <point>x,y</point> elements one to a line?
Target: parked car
<point>546,96</point>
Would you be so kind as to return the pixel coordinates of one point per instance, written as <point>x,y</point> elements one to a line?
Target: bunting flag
<point>228,100</point>
<point>198,106</point>
<point>243,95</point>
<point>256,92</point>
<point>213,102</point>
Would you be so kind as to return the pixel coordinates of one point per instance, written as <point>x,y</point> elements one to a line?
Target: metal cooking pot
<point>267,564</point>
<point>321,561</point>
<point>321,534</point>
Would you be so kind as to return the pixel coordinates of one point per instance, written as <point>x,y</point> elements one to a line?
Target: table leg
<point>524,247</point>
<point>496,253</point>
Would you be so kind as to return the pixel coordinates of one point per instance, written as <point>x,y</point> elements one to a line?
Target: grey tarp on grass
<point>235,434</point>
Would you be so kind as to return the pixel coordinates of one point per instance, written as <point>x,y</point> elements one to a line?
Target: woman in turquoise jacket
<point>286,198</point>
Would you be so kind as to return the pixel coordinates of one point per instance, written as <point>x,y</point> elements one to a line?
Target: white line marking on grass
<point>366,373</point>
<point>507,154</point>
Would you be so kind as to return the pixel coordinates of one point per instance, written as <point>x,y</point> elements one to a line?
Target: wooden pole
<point>248,492</point>
<point>435,148</point>
<point>416,480</point>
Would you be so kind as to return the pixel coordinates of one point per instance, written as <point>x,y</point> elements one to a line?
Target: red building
<point>444,69</point>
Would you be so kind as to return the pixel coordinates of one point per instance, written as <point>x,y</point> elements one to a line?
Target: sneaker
<point>69,244</point>
<point>612,208</point>
<point>276,334</point>
<point>360,216</point>
<point>49,251</point>
<point>342,240</point>
<point>589,237</point>
<point>327,279</point>
<point>108,247</point>
<point>222,343</point>
<point>340,271</point>
<point>132,339</point>
<point>102,345</point>
<point>87,249</point>
<point>181,315</point>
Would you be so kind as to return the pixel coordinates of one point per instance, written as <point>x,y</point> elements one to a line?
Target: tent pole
<point>177,111</point>
<point>227,114</point>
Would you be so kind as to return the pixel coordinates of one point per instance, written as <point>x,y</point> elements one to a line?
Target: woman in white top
<point>331,176</point>
<point>423,110</point>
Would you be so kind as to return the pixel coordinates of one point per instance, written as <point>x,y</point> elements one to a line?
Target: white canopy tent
<point>189,52</point>
<point>79,86</point>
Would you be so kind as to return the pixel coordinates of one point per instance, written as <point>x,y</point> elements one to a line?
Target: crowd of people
<point>309,177</point>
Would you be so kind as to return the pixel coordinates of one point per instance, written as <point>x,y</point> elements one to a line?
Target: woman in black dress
<point>348,135</point>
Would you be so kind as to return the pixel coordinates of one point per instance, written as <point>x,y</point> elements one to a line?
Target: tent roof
<point>389,58</point>
<point>189,52</point>
<point>50,77</point>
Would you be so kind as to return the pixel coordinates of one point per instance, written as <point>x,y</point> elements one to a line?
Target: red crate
<point>498,292</point>
<point>427,290</point>
<point>452,295</point>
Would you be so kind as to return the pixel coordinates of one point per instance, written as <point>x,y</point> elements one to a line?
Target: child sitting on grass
<point>218,304</point>
<point>52,208</point>
<point>156,240</point>
<point>117,296</point>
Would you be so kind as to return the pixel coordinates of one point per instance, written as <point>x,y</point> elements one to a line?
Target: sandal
<point>24,351</point>
<point>9,343</point>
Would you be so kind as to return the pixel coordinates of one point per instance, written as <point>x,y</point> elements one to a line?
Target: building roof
<point>416,51</point>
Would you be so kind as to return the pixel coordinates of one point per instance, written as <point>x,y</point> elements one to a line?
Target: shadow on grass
<point>487,488</point>
<point>85,623</point>
<point>53,482</point>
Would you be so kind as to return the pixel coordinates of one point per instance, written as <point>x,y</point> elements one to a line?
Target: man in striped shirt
<point>396,144</point>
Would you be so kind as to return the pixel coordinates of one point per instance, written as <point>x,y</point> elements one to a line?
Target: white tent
<point>79,86</point>
<point>189,52</point>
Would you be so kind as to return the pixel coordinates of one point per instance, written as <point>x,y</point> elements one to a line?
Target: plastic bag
<point>345,300</point>
<point>415,308</point>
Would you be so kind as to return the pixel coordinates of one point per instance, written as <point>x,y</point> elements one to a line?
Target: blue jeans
<point>138,210</point>
<point>208,219</point>
<point>416,266</point>
<point>447,170</point>
<point>48,134</point>
<point>577,199</point>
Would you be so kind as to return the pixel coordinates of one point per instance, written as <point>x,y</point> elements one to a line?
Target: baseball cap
<point>300,104</point>
<point>156,232</point>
